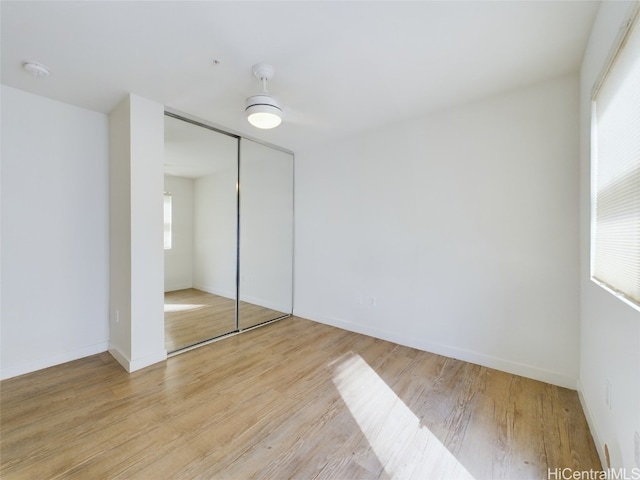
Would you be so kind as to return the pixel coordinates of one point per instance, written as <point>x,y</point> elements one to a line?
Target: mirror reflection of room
<point>200,233</point>
<point>266,233</point>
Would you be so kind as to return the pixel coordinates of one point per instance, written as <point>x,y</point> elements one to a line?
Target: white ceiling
<point>341,67</point>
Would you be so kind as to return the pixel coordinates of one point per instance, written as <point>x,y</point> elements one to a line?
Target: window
<point>167,221</point>
<point>615,248</point>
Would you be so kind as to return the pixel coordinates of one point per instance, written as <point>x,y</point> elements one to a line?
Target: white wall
<point>610,329</point>
<point>455,233</point>
<point>178,261</point>
<point>215,231</point>
<point>55,268</point>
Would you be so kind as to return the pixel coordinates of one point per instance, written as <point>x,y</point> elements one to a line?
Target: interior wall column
<point>136,151</point>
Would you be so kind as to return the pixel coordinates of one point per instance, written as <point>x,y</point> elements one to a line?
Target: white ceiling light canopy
<point>263,111</point>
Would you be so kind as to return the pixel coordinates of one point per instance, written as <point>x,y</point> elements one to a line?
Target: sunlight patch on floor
<point>403,446</point>
<point>182,307</point>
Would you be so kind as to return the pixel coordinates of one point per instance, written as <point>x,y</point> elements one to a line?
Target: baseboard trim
<point>215,291</point>
<point>138,363</point>
<point>593,425</point>
<point>175,288</point>
<point>54,360</point>
<point>470,356</point>
<point>148,360</point>
<point>261,302</point>
<point>121,358</point>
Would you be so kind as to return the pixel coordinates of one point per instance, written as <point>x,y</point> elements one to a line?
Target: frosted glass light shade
<point>263,111</point>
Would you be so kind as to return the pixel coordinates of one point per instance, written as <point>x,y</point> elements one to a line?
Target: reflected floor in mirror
<point>192,316</point>
<point>251,315</point>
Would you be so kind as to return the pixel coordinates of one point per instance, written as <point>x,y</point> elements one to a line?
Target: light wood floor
<point>294,399</point>
<point>193,316</point>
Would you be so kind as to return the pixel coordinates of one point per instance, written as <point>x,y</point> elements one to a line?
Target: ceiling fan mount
<point>263,71</point>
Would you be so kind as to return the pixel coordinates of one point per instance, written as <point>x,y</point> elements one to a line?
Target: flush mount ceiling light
<point>36,69</point>
<point>263,111</point>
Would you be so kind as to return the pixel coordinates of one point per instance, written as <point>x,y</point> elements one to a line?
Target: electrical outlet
<point>117,316</point>
<point>607,395</point>
<point>636,449</point>
<point>372,302</point>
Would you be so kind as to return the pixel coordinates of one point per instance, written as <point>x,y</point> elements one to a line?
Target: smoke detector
<point>36,69</point>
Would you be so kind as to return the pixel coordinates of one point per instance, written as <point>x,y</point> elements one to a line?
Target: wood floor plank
<point>294,399</point>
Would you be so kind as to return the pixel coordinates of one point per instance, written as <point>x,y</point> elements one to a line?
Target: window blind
<point>616,151</point>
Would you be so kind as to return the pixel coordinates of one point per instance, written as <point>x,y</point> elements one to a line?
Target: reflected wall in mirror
<point>201,176</point>
<point>266,234</point>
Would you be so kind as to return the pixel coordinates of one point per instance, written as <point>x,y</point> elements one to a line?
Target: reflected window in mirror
<point>167,221</point>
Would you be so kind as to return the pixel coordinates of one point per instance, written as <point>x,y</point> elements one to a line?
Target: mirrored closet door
<point>228,233</point>
<point>266,234</point>
<point>201,227</point>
